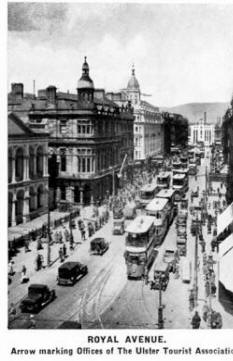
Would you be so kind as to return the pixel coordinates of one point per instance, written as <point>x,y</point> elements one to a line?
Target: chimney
<point>17,90</point>
<point>51,93</point>
<point>205,117</point>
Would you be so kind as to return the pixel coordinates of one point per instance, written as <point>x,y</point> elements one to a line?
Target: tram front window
<point>178,182</point>
<point>145,195</point>
<point>136,240</point>
<point>136,258</point>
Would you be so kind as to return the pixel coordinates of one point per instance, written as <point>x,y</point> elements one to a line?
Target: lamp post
<point>196,261</point>
<point>160,308</point>
<point>48,232</point>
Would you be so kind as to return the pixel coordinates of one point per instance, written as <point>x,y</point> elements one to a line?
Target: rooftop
<point>141,224</point>
<point>157,204</point>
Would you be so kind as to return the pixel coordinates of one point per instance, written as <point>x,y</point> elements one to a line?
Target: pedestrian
<point>39,244</point>
<point>191,300</point>
<point>196,320</point>
<point>71,242</point>
<point>11,271</point>
<point>24,276</point>
<point>60,254</point>
<point>32,322</point>
<point>12,312</point>
<point>26,246</point>
<point>60,237</point>
<point>83,234</point>
<point>24,269</point>
<point>64,250</point>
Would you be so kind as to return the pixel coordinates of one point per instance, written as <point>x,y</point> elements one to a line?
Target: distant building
<point>202,132</point>
<point>27,172</point>
<point>175,131</point>
<point>89,136</point>
<point>148,124</point>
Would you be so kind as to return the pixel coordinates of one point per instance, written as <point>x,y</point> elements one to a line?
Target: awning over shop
<point>226,246</point>
<point>225,219</point>
<point>226,268</point>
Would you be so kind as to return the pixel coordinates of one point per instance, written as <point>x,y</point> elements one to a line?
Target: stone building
<point>27,172</point>
<point>202,132</point>
<point>89,136</point>
<point>148,124</point>
<point>227,143</point>
<point>175,131</point>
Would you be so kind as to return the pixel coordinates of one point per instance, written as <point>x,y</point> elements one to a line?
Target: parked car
<point>39,295</point>
<point>71,325</point>
<point>69,272</point>
<point>99,246</point>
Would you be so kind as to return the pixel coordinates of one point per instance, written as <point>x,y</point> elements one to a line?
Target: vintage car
<point>161,276</point>
<point>71,325</point>
<point>118,226</point>
<point>39,295</point>
<point>98,246</point>
<point>69,272</point>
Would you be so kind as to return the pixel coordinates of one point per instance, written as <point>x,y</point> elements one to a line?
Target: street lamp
<point>48,232</point>
<point>160,308</point>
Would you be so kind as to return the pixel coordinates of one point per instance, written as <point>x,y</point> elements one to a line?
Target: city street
<point>105,298</point>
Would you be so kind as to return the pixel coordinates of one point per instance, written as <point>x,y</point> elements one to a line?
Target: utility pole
<point>196,261</point>
<point>113,182</point>
<point>160,308</point>
<point>48,234</point>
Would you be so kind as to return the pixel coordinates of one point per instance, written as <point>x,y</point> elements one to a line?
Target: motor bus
<point>147,193</point>
<point>191,153</point>
<point>169,194</point>
<point>140,246</point>
<point>180,184</point>
<point>164,180</point>
<point>161,275</point>
<point>177,167</point>
<point>158,208</point>
<point>198,156</point>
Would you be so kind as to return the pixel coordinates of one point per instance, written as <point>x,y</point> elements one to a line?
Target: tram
<point>169,194</point>
<point>180,185</point>
<point>147,193</point>
<point>140,246</point>
<point>164,180</point>
<point>159,209</point>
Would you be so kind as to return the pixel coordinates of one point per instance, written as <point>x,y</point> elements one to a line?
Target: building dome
<point>85,82</point>
<point>133,83</point>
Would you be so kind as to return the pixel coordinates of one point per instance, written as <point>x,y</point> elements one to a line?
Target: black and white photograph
<point>120,166</point>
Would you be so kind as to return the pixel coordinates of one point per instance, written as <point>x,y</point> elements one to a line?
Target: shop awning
<point>226,264</point>
<point>225,219</point>
<point>225,246</point>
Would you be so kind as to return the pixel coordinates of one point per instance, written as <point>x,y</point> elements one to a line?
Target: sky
<point>182,53</point>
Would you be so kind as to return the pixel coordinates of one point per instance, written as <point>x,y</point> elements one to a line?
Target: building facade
<point>202,132</point>
<point>227,143</point>
<point>175,131</point>
<point>89,137</point>
<point>148,124</point>
<point>27,172</point>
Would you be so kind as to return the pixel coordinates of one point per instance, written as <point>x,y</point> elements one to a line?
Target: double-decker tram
<point>159,209</point>
<point>184,160</point>
<point>169,194</point>
<point>140,243</point>
<point>180,185</point>
<point>147,193</point>
<point>192,167</point>
<point>164,180</point>
<point>177,167</point>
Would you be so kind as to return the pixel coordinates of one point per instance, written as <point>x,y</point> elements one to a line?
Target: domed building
<point>148,121</point>
<point>89,136</point>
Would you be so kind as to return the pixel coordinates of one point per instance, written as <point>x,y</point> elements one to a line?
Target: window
<point>63,160</point>
<point>63,193</point>
<point>63,126</point>
<point>84,127</point>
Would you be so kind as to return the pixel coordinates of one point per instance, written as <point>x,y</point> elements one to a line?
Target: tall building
<point>89,136</point>
<point>148,124</point>
<point>202,132</point>
<point>27,172</point>
<point>227,143</point>
<point>175,131</point>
